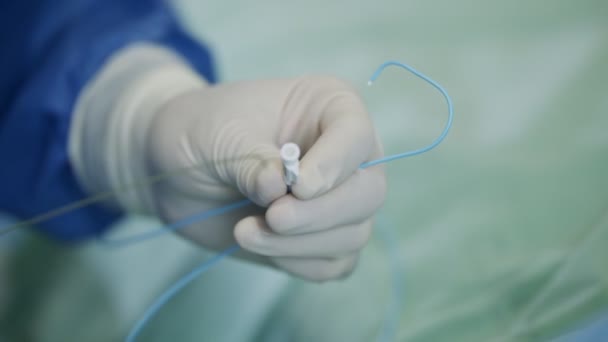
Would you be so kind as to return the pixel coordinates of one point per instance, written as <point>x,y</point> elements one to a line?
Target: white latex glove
<point>227,138</point>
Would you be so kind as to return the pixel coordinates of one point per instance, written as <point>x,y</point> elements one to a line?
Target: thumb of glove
<point>251,164</point>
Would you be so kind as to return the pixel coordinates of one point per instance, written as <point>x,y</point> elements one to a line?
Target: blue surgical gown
<point>50,49</point>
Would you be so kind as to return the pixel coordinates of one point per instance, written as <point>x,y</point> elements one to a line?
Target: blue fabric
<point>50,49</point>
<point>594,331</point>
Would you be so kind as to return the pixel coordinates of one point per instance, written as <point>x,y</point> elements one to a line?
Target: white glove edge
<point>112,115</point>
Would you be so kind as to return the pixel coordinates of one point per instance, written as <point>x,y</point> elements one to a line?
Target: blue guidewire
<point>199,217</point>
<point>209,263</point>
<point>394,309</point>
<point>175,288</point>
<point>115,243</point>
<point>443,134</point>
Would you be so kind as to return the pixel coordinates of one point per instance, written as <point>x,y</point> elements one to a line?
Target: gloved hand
<point>219,144</point>
<point>230,135</point>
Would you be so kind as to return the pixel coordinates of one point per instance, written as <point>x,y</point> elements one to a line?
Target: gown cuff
<point>112,116</point>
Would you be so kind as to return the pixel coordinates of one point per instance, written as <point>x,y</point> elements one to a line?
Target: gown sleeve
<point>50,50</point>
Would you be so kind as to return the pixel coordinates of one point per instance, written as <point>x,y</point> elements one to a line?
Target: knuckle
<point>246,235</point>
<point>314,182</point>
<point>241,236</point>
<point>281,217</point>
<point>257,176</point>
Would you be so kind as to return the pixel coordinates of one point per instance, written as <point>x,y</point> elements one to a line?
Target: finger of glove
<point>318,270</point>
<point>256,171</point>
<point>346,140</point>
<point>253,234</point>
<point>353,201</point>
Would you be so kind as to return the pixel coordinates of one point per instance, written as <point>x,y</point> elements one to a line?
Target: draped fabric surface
<point>502,231</point>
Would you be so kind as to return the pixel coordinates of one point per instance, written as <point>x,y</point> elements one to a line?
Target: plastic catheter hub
<point>290,156</point>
